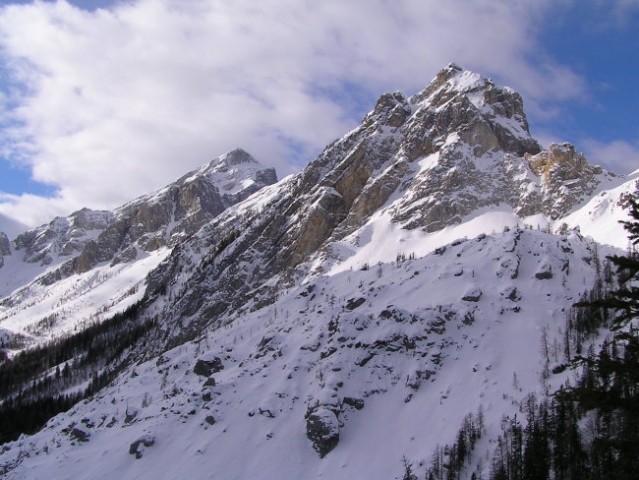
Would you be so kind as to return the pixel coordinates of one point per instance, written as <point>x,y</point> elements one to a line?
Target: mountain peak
<point>453,79</point>
<point>486,116</point>
<point>237,156</point>
<point>280,327</point>
<point>234,172</point>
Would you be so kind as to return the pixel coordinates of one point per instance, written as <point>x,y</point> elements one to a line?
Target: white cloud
<point>618,155</point>
<point>123,101</point>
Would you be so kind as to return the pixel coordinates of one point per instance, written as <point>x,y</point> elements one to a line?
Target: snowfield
<point>431,340</point>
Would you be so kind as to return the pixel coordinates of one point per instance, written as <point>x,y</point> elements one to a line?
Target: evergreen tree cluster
<point>39,383</point>
<point>450,460</point>
<point>589,431</point>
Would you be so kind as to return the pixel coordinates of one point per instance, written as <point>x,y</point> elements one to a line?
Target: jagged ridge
<point>427,162</point>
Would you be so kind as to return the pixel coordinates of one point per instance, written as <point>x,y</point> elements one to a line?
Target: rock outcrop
<point>5,248</point>
<point>565,176</point>
<point>163,218</point>
<point>62,237</point>
<point>206,368</point>
<point>322,429</point>
<point>5,245</point>
<point>138,447</point>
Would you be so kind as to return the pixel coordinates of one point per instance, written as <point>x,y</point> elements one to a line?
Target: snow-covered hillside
<point>390,358</point>
<point>78,270</point>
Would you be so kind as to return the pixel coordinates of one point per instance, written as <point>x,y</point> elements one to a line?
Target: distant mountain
<point>421,269</point>
<point>76,257</point>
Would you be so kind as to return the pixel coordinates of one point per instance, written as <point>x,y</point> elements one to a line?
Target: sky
<point>103,101</point>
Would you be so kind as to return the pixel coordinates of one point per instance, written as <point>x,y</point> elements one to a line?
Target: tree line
<point>39,383</point>
<point>589,429</point>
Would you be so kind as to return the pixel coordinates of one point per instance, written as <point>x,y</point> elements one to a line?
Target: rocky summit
<point>418,276</point>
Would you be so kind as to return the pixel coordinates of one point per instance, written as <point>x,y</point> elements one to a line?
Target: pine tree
<point>609,385</point>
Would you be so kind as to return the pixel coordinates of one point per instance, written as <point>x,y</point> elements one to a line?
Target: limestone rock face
<point>163,218</point>
<point>565,178</point>
<point>427,161</point>
<point>180,209</point>
<point>62,237</point>
<point>485,116</point>
<point>471,148</point>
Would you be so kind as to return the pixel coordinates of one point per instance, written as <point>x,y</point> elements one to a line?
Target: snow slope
<point>431,340</point>
<point>600,217</point>
<point>39,313</point>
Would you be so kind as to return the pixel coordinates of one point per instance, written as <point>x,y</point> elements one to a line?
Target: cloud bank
<point>109,104</point>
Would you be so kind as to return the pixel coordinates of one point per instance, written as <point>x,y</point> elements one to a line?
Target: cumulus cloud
<point>111,103</point>
<point>621,155</point>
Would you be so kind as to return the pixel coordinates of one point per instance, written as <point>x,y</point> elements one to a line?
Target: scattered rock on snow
<point>130,415</point>
<point>511,293</point>
<point>210,419</point>
<point>472,295</point>
<point>356,403</point>
<point>354,303</point>
<point>80,435</point>
<point>457,270</point>
<point>137,448</point>
<point>544,273</point>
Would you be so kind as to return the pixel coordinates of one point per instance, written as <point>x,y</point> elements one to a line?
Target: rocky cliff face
<point>62,237</point>
<point>88,237</point>
<point>177,211</point>
<point>428,162</point>
<point>564,178</point>
<point>5,247</point>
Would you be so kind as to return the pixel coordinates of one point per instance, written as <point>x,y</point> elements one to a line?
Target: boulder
<point>322,429</point>
<point>210,419</point>
<point>137,448</point>
<point>544,272</point>
<point>80,435</point>
<point>354,303</point>
<point>206,368</point>
<point>472,295</point>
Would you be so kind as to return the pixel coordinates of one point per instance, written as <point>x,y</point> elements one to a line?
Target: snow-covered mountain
<point>420,269</point>
<point>92,264</point>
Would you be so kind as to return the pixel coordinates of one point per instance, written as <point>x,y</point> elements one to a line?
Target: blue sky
<point>602,47</point>
<point>103,101</point>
